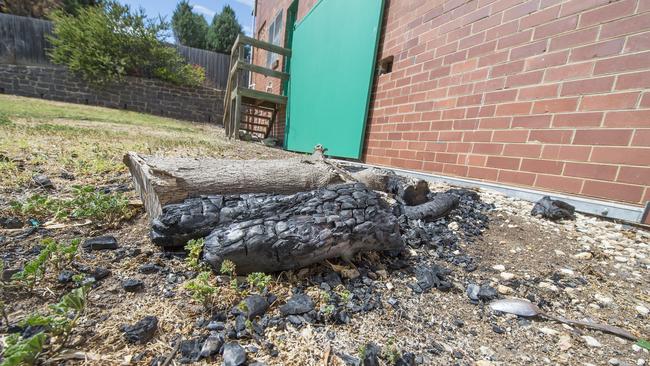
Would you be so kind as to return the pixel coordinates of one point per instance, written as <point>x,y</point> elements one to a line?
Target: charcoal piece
<point>439,206</point>
<point>142,331</point>
<point>553,209</point>
<point>100,243</point>
<point>297,304</point>
<point>430,277</point>
<point>233,354</point>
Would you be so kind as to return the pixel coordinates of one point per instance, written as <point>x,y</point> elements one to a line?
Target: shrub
<point>106,43</point>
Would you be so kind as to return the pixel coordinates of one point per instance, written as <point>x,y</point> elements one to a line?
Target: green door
<point>332,66</point>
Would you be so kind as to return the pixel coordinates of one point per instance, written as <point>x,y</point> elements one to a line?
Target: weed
<point>86,203</point>
<point>259,280</point>
<point>228,268</point>
<point>361,352</point>
<point>325,296</point>
<point>63,254</point>
<point>22,351</point>
<point>327,309</point>
<point>194,248</point>
<point>345,295</point>
<point>59,254</point>
<point>201,289</point>
<point>4,120</point>
<point>391,353</point>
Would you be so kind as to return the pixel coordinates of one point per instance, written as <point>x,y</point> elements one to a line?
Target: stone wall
<point>198,104</point>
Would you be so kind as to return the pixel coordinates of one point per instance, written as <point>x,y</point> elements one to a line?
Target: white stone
<point>564,343</point>
<point>583,255</point>
<point>389,285</point>
<point>614,361</point>
<point>640,362</point>
<point>548,331</point>
<point>499,267</point>
<point>506,276</point>
<point>559,253</point>
<point>567,272</point>
<point>591,341</point>
<point>453,226</point>
<point>505,290</point>
<point>642,310</point>
<point>604,300</point>
<point>620,259</point>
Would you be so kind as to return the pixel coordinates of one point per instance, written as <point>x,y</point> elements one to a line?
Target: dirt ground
<point>587,269</point>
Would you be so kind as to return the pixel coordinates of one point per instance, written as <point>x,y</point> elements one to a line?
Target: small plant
<point>201,289</point>
<point>361,352</point>
<point>4,120</point>
<point>325,296</point>
<point>194,248</point>
<point>58,253</point>
<point>228,268</point>
<point>391,353</point>
<point>259,280</point>
<point>345,295</point>
<point>22,351</point>
<point>327,309</point>
<point>63,254</point>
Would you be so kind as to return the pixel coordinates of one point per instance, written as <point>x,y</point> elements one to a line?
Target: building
<point>552,95</point>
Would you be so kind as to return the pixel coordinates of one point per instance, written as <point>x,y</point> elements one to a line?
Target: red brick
<point>501,96</point>
<point>628,119</point>
<point>577,119</point>
<point>514,39</point>
<point>645,100</point>
<point>493,58</point>
<point>602,49</point>
<point>590,86</point>
<point>429,166</point>
<point>523,150</point>
<point>465,124</point>
<point>637,80</point>
<point>551,136</point>
<point>483,173</point>
<point>539,17</point>
<point>495,122</point>
<point>562,184</point>
<point>606,13</point>
<point>623,63</point>
<point>406,163</point>
<point>542,166</point>
<point>576,6</point>
<point>609,101</point>
<point>511,109</point>
<point>555,105</point>
<point>528,50</point>
<point>531,121</point>
<point>556,27</point>
<point>602,137</point>
<point>502,162</point>
<point>634,175</point>
<point>459,147</point>
<point>487,149</point>
<point>625,26</point>
<point>510,136</point>
<point>539,92</point>
<point>644,5</point>
<point>507,69</point>
<point>520,178</point>
<point>527,78</point>
<point>547,60</point>
<point>639,42</point>
<point>565,152</point>
<point>620,155</point>
<point>569,40</point>
<point>569,72</point>
<point>482,49</point>
<point>593,171</point>
<point>521,10</point>
<point>502,30</point>
<point>458,170</point>
<point>615,191</point>
<point>477,136</point>
<point>641,138</point>
<point>437,146</point>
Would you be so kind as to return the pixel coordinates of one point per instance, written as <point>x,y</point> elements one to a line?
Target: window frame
<point>274,37</point>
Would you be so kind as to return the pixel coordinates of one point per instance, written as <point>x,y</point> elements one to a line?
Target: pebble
<point>505,290</point>
<point>564,343</point>
<point>43,181</point>
<point>583,255</point>
<point>132,285</point>
<point>604,301</point>
<point>453,226</point>
<point>499,267</point>
<point>100,243</point>
<point>142,331</point>
<point>297,304</point>
<point>642,310</point>
<point>591,341</point>
<point>548,331</point>
<point>614,361</point>
<point>506,276</point>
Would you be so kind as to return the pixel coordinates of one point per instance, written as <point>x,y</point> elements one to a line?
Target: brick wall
<point>136,94</point>
<point>548,94</point>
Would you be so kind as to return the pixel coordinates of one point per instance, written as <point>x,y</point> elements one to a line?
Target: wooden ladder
<point>246,109</point>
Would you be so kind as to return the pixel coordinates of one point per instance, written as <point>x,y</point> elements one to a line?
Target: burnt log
<point>264,232</point>
<point>440,205</point>
<point>163,180</point>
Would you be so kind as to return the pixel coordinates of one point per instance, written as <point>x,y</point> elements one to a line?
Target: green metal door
<point>332,66</point>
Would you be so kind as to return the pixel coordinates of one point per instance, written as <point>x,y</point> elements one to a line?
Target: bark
<point>267,233</point>
<point>439,206</point>
<point>161,181</point>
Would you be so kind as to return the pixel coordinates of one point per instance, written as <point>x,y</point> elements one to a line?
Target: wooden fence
<point>23,41</point>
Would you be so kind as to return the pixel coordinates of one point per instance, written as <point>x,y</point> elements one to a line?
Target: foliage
<point>57,253</point>
<point>259,280</point>
<point>327,309</point>
<point>391,353</point>
<point>223,31</point>
<point>228,268</point>
<point>190,29</point>
<point>86,203</point>
<point>643,343</point>
<point>194,248</point>
<point>106,43</point>
<point>4,120</point>
<point>21,351</point>
<point>43,8</point>
<point>345,295</point>
<point>201,288</point>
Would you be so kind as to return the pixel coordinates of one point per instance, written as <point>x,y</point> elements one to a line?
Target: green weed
<point>201,289</point>
<point>58,254</point>
<point>22,351</point>
<point>259,280</point>
<point>194,249</point>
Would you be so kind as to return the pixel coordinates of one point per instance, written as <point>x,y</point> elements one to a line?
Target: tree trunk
<point>161,181</point>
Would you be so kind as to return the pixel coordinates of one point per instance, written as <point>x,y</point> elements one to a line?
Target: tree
<point>190,29</point>
<point>223,31</point>
<point>105,43</point>
<point>44,8</point>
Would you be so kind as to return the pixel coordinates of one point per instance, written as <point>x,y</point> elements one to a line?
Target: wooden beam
<point>262,70</point>
<point>242,39</point>
<point>260,95</point>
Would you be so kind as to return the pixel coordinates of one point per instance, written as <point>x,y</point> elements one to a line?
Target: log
<point>267,233</point>
<point>439,206</point>
<point>163,180</point>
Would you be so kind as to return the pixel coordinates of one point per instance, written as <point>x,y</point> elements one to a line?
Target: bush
<point>106,43</point>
